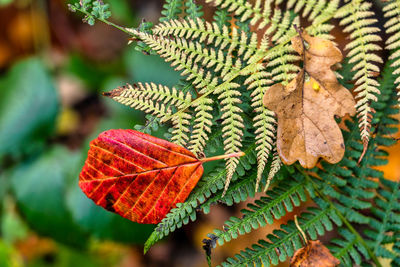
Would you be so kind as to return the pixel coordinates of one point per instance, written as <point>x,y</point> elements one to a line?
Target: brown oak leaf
<point>312,255</point>
<point>306,107</point>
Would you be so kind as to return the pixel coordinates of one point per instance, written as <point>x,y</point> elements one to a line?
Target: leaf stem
<point>341,216</point>
<point>108,22</point>
<point>236,154</point>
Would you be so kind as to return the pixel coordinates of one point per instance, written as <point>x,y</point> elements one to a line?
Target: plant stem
<point>236,154</point>
<point>108,22</point>
<point>342,217</point>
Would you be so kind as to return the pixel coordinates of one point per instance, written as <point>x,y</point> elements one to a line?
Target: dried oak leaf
<point>139,176</point>
<point>307,105</point>
<point>312,255</point>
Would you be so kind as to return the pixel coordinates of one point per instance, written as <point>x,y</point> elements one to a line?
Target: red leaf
<point>138,176</point>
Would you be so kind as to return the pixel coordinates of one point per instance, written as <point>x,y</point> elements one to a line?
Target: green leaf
<point>39,186</point>
<point>28,107</point>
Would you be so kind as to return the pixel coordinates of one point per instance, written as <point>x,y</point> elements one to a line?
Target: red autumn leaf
<point>139,176</point>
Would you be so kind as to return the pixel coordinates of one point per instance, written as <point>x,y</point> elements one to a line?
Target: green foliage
<point>171,10</point>
<point>31,102</point>
<point>46,217</point>
<point>93,9</point>
<point>227,69</point>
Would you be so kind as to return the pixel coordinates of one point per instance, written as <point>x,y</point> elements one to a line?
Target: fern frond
<point>285,241</point>
<point>193,10</point>
<point>171,9</point>
<point>244,10</point>
<point>264,121</point>
<point>281,63</point>
<point>153,99</point>
<point>281,199</point>
<point>221,17</point>
<point>209,184</point>
<point>347,248</point>
<point>281,28</point>
<point>232,123</point>
<point>357,18</point>
<point>316,11</point>
<point>210,33</point>
<point>202,125</point>
<point>180,128</point>
<point>386,218</point>
<point>185,56</point>
<point>273,170</point>
<point>392,12</point>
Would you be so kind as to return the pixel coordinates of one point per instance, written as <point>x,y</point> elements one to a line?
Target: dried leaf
<point>314,254</point>
<point>307,105</point>
<point>139,176</point>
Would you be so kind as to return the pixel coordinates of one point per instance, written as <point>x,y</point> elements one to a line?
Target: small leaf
<point>139,176</point>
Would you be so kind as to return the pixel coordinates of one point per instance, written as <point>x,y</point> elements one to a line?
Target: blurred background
<point>53,68</point>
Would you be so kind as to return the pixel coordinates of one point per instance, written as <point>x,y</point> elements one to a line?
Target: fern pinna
<point>228,64</point>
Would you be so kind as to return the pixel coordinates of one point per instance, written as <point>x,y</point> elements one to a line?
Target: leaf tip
<point>114,93</point>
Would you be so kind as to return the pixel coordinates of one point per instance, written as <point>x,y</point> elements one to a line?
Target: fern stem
<point>341,216</point>
<point>108,23</point>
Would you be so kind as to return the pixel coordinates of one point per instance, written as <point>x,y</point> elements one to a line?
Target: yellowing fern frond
<point>202,125</point>
<point>358,19</point>
<point>259,12</point>
<point>210,33</point>
<point>276,165</point>
<point>392,12</point>
<point>264,121</point>
<point>232,123</point>
<point>153,99</point>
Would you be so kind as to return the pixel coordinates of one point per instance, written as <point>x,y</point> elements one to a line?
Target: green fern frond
<point>280,199</point>
<point>221,17</point>
<point>386,218</point>
<point>171,9</point>
<point>348,249</point>
<point>285,241</point>
<point>359,21</point>
<point>392,12</point>
<point>193,10</point>
<point>208,185</point>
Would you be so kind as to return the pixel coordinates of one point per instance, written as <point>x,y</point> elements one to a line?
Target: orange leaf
<point>307,105</point>
<point>312,255</point>
<point>139,176</point>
